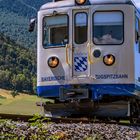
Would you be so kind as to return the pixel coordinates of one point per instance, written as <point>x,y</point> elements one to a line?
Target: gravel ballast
<point>52,131</point>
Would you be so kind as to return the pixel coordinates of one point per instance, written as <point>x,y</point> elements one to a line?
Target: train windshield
<point>108,28</point>
<point>55,31</point>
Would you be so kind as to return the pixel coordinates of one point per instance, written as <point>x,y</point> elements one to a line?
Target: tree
<point>34,84</point>
<point>5,79</point>
<point>18,82</point>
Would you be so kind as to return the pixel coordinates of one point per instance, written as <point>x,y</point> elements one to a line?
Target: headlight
<point>109,60</point>
<point>53,62</point>
<point>80,2</point>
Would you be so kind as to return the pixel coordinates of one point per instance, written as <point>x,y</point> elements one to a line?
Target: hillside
<point>26,8</point>
<point>16,27</point>
<point>15,15</point>
<point>17,66</point>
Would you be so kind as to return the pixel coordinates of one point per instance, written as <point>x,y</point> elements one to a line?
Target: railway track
<point>16,117</point>
<point>64,128</point>
<point>26,118</point>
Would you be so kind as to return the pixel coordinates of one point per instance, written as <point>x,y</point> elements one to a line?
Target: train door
<point>80,43</point>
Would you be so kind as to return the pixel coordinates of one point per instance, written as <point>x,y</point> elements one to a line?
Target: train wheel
<point>117,120</point>
<point>135,112</point>
<point>134,120</point>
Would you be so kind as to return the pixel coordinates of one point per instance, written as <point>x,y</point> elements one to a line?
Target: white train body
<point>83,38</point>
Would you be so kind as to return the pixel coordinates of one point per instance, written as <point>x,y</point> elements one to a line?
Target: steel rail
<point>26,118</point>
<point>16,117</point>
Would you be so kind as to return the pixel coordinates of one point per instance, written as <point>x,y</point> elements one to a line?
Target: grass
<point>20,104</point>
<point>124,121</point>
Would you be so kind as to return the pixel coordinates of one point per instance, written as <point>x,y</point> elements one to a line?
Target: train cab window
<point>108,28</point>
<point>55,31</point>
<point>80,30</point>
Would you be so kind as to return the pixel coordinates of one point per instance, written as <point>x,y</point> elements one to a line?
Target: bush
<point>14,93</point>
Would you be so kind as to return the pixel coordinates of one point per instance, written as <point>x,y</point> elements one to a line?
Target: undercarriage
<point>125,108</point>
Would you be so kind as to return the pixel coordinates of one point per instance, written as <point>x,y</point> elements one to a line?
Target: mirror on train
<point>139,30</point>
<point>136,36</point>
<point>32,25</point>
<point>139,35</point>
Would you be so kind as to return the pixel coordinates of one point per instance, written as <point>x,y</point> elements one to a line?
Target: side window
<point>137,27</point>
<point>80,30</point>
<point>108,28</point>
<point>55,31</point>
<point>137,30</point>
<point>139,34</point>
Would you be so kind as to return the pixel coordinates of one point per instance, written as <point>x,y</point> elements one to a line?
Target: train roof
<point>67,3</point>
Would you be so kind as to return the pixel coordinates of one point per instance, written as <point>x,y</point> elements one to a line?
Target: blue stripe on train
<point>96,90</point>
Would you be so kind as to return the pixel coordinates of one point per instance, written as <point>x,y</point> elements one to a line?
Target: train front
<point>85,51</point>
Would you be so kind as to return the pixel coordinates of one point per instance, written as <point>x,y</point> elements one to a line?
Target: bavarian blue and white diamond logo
<point>80,64</point>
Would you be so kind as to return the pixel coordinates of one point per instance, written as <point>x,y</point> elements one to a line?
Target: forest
<point>17,66</point>
<point>15,16</point>
<point>17,45</point>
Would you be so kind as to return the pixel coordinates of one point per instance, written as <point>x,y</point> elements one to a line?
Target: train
<point>88,58</point>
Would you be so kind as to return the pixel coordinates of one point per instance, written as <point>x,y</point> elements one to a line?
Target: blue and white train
<point>88,56</point>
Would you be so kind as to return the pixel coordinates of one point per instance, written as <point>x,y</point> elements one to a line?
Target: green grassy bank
<point>20,104</point>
